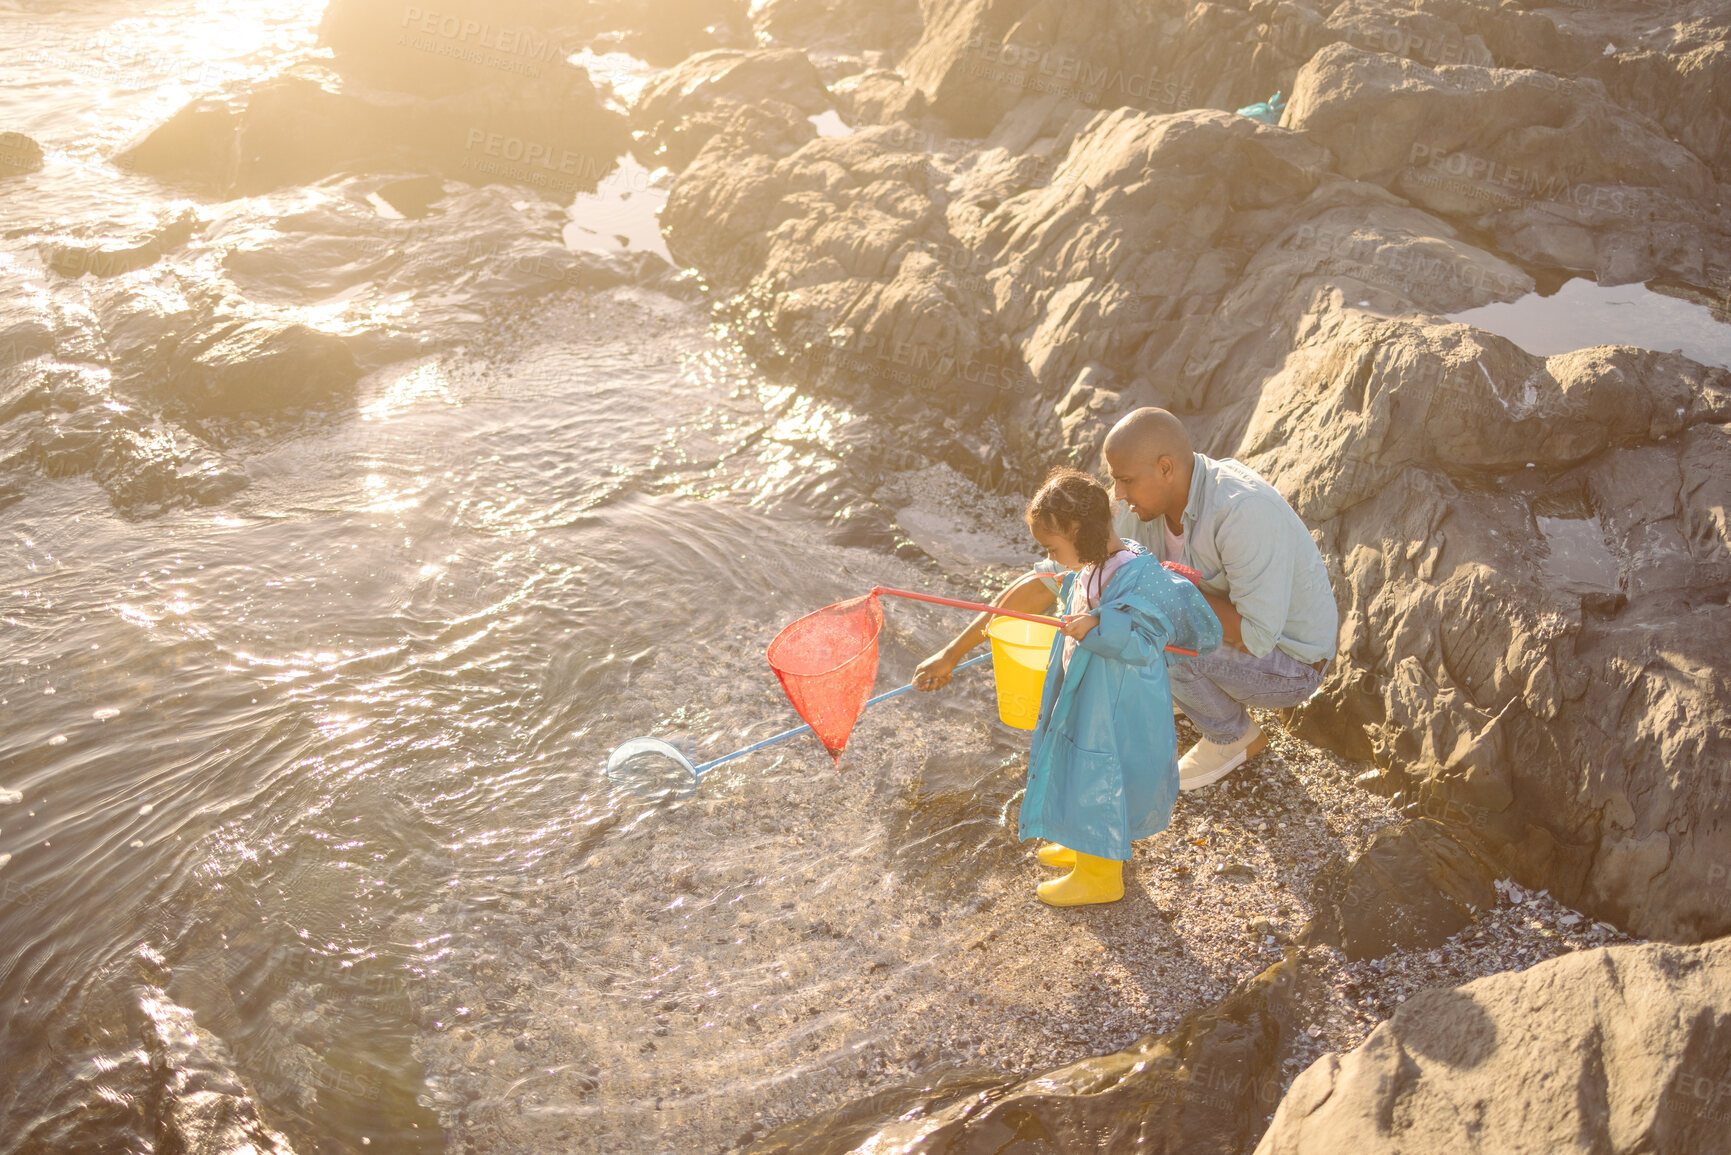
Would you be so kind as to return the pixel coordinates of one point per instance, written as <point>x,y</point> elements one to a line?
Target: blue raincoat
<point>1104,765</point>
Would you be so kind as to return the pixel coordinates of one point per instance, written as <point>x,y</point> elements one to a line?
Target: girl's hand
<point>1077,625</point>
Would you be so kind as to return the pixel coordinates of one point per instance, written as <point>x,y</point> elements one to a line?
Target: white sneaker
<point>1208,762</point>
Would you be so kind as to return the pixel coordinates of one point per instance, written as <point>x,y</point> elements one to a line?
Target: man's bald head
<point>1149,456</point>
<point>1147,434</point>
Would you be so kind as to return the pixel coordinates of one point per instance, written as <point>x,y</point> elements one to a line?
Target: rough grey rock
<point>877,96</point>
<point>977,59</point>
<point>1616,1051</point>
<point>1204,1088</point>
<point>679,110</point>
<point>18,154</point>
<point>1562,176</point>
<point>1413,887</point>
<point>204,1107</point>
<point>1526,554</point>
<point>841,261</point>
<point>1668,62</point>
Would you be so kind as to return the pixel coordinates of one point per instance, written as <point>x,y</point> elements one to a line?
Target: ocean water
<point>276,774</point>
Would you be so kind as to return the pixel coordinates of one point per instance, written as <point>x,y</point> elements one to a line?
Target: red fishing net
<point>827,662</point>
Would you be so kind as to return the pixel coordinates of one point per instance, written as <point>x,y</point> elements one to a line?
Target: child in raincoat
<point>1103,769</point>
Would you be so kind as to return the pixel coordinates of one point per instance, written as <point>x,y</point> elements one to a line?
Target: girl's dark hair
<point>1077,506</point>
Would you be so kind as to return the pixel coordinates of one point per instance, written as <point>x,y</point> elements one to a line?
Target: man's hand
<point>934,673</point>
<point>1077,625</point>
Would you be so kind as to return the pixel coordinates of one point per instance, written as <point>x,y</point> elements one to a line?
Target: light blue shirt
<point>1251,548</point>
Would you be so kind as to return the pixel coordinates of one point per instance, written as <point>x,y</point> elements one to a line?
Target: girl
<point>1103,769</point>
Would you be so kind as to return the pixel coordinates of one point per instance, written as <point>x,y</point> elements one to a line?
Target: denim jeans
<point>1214,689</point>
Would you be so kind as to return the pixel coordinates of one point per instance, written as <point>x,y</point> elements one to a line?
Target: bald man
<point>1261,572</point>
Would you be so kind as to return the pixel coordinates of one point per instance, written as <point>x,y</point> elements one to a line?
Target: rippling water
<point>301,796</point>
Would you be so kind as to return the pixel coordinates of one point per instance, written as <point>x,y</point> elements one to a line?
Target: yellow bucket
<point>1019,653</point>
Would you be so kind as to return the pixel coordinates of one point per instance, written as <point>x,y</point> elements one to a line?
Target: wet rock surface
<point>18,154</point>
<point>1622,1049</point>
<point>258,364</point>
<point>106,249</point>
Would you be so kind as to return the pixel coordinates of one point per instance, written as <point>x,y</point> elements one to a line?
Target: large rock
<point>679,110</point>
<point>1618,1051</point>
<point>1561,175</point>
<point>841,264</point>
<point>877,96</point>
<point>1203,1089</point>
<point>550,133</point>
<point>1670,62</point>
<point>1520,547</point>
<point>977,59</point>
<point>1110,278</point>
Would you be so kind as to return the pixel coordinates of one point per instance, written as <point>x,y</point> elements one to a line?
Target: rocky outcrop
<point>842,266</point>
<point>1204,1088</point>
<point>61,421</point>
<point>878,96</point>
<point>1528,607</point>
<point>881,29</point>
<point>201,1105</point>
<point>1560,175</point>
<point>302,126</point>
<point>1619,1051</point>
<point>483,96</point>
<point>679,110</point>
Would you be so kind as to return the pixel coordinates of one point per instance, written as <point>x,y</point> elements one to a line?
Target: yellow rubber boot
<point>1093,880</point>
<point>1054,855</point>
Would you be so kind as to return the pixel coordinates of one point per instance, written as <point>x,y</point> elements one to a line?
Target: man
<point>1261,573</point>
